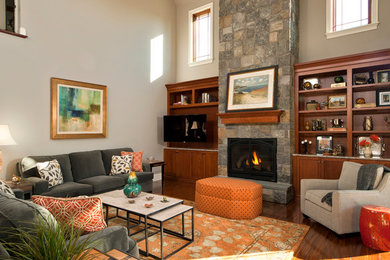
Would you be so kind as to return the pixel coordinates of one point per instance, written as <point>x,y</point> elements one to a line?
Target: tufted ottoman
<point>229,198</point>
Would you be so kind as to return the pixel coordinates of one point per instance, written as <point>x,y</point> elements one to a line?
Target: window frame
<point>374,22</point>
<point>191,13</point>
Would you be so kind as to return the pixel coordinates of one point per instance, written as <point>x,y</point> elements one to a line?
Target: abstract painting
<point>78,109</point>
<point>252,89</point>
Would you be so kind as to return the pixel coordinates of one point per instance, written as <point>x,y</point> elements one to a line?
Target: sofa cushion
<point>142,177</point>
<point>86,165</point>
<point>29,165</point>
<point>121,164</point>
<point>83,213</point>
<point>315,196</point>
<point>69,189</point>
<point>349,175</point>
<point>136,165</point>
<point>104,183</point>
<point>17,213</point>
<point>107,157</point>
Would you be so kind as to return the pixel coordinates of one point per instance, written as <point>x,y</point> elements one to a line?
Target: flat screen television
<point>185,128</point>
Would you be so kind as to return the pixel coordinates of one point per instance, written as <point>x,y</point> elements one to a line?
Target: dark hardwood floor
<point>319,243</point>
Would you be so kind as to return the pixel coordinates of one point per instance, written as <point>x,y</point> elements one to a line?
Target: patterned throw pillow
<point>85,213</point>
<point>121,164</point>
<point>50,171</point>
<point>137,160</point>
<point>5,188</point>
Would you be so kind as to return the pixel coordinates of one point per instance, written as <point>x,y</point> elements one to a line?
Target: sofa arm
<point>346,206</point>
<point>315,184</point>
<point>146,167</point>
<point>39,185</point>
<point>114,237</point>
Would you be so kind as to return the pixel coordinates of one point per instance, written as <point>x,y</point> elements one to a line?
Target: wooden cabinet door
<point>332,168</point>
<point>198,165</point>
<point>306,168</point>
<point>182,164</point>
<point>169,158</point>
<point>211,164</point>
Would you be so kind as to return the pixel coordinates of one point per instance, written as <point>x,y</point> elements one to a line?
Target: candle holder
<point>305,144</point>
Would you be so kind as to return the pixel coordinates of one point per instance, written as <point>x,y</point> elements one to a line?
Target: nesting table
<point>160,212</point>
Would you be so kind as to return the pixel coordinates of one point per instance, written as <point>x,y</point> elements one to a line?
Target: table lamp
<point>5,139</point>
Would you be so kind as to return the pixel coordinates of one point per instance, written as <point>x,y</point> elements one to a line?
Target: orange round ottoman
<point>229,198</point>
<point>374,226</point>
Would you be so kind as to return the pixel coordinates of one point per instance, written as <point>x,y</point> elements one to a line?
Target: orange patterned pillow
<point>136,165</point>
<point>85,213</point>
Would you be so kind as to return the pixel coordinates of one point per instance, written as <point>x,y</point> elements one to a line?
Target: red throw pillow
<point>136,164</point>
<point>85,213</point>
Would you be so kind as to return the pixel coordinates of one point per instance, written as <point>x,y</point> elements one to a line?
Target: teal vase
<point>132,189</point>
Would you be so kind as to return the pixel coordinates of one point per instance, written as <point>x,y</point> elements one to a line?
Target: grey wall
<point>313,44</point>
<point>98,41</point>
<point>183,71</point>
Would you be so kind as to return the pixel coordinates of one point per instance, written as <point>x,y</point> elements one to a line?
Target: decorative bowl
<point>131,201</point>
<point>150,198</point>
<point>148,205</point>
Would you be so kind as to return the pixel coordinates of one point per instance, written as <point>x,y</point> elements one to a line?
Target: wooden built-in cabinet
<point>190,165</point>
<point>194,160</point>
<point>351,68</point>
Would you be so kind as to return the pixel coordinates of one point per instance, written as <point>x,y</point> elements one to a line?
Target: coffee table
<point>160,212</point>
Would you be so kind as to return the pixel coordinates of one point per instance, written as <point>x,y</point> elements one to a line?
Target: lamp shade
<point>5,136</point>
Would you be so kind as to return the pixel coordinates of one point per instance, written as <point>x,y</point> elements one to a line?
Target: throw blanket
<point>366,179</point>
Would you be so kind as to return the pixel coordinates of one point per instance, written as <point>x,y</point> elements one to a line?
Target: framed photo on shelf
<point>252,89</point>
<point>324,143</point>
<point>78,109</point>
<point>382,98</point>
<point>383,76</point>
<point>337,101</point>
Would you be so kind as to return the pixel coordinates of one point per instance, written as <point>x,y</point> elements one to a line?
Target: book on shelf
<point>338,85</point>
<point>205,97</point>
<point>365,105</point>
<point>184,99</point>
<point>337,129</point>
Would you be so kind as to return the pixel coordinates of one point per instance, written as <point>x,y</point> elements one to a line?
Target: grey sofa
<point>18,213</point>
<point>84,173</point>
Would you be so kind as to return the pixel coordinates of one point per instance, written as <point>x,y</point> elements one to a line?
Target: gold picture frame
<point>78,110</point>
<point>337,101</point>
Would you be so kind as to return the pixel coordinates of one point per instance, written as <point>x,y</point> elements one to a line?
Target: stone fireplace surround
<point>256,34</point>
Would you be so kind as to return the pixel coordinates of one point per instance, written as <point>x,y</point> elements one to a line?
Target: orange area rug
<point>217,237</point>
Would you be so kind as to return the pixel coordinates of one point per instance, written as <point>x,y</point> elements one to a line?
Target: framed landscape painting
<point>252,89</point>
<point>78,109</point>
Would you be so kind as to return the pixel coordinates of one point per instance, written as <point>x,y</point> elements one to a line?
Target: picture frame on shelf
<point>252,89</point>
<point>78,110</point>
<point>337,101</point>
<point>383,76</point>
<point>324,143</point>
<point>382,98</point>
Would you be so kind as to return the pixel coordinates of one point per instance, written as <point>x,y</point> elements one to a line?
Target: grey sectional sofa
<point>18,213</point>
<point>84,173</point>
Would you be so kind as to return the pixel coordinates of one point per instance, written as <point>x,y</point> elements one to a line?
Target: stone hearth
<point>256,34</point>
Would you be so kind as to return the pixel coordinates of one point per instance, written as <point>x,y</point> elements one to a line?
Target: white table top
<point>119,200</point>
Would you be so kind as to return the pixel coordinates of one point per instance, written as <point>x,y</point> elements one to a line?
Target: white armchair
<point>343,216</point>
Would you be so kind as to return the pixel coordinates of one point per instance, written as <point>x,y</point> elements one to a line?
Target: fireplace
<point>252,158</point>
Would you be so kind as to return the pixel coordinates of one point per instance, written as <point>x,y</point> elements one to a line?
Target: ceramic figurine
<point>367,123</point>
<point>132,189</point>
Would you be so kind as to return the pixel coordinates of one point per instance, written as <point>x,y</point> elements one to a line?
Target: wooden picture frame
<point>337,101</point>
<point>252,89</point>
<point>383,76</point>
<point>382,98</point>
<point>324,143</point>
<point>78,110</point>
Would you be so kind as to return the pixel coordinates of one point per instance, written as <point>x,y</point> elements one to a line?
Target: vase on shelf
<point>132,189</point>
<point>367,152</point>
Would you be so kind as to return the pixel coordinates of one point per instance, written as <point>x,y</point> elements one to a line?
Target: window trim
<point>191,33</point>
<point>371,26</point>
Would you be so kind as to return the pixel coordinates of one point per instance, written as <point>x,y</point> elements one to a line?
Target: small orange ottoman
<point>229,198</point>
<point>374,226</point>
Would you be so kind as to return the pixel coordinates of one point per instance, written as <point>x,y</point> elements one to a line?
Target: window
<point>10,17</point>
<point>201,35</point>
<point>351,16</point>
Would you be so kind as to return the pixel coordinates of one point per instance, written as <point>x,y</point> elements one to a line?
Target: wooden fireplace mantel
<point>252,117</point>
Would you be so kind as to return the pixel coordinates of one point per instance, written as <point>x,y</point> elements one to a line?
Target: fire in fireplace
<point>252,158</point>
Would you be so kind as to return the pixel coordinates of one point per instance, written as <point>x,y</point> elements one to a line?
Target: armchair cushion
<point>315,196</point>
<point>349,175</point>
